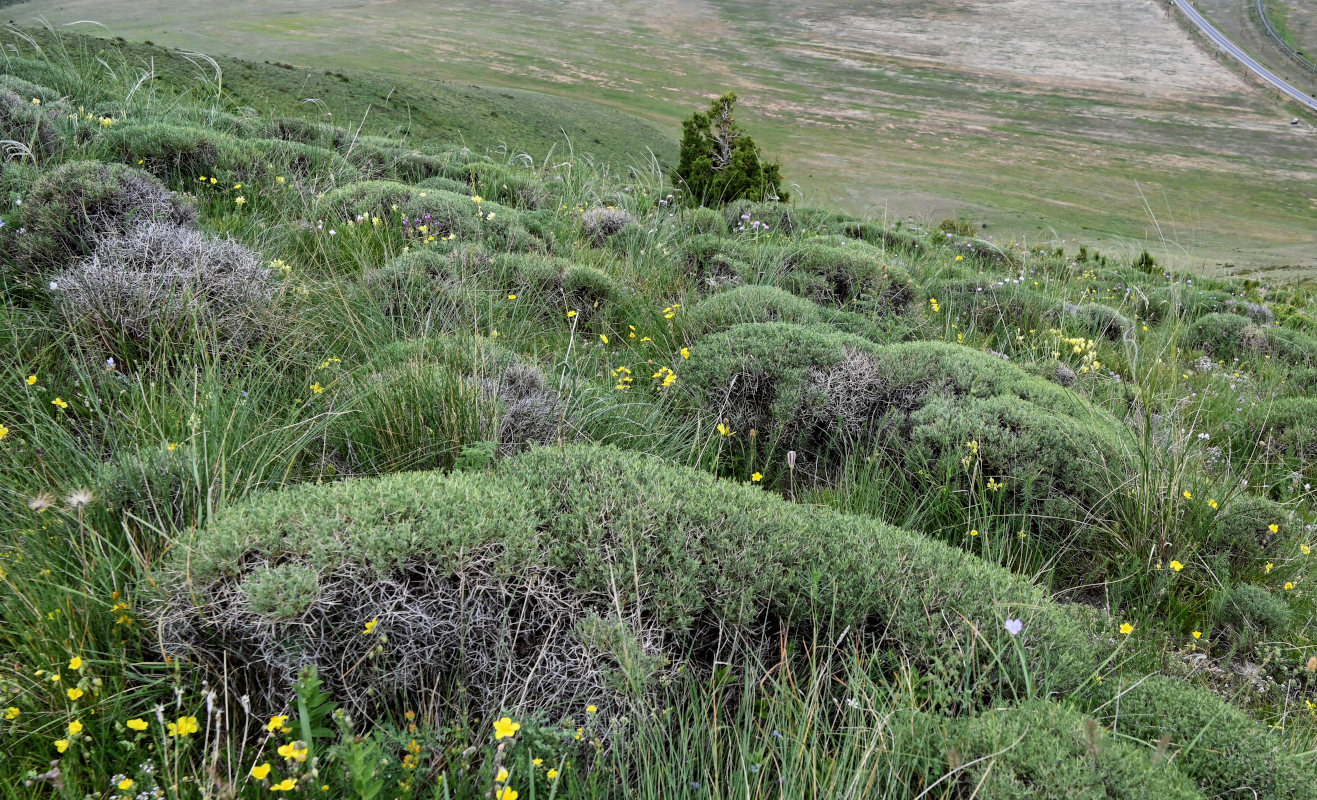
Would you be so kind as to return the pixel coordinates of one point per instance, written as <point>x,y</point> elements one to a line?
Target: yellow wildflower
<point>126,784</point>
<point>1188,495</point>
<point>1274,528</point>
<point>279,722</point>
<point>137,724</point>
<point>1198,634</point>
<point>505,728</point>
<point>31,380</point>
<point>293,751</point>
<point>59,401</point>
<point>75,693</point>
<point>285,785</point>
<point>1126,628</point>
<point>502,775</point>
<point>757,477</point>
<point>506,794</point>
<point>75,728</point>
<point>551,774</point>
<point>184,726</point>
<point>591,709</point>
<point>603,338</point>
<point>1177,566</point>
<point>12,712</point>
<point>316,388</point>
<point>3,431</point>
<point>239,200</point>
<point>75,663</point>
<point>61,745</point>
<point>370,627</point>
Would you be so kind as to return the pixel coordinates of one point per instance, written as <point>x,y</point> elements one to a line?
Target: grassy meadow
<point>340,457</point>
<point>1109,127</point>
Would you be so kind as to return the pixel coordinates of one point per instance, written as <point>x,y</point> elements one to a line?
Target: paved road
<point>1244,58</point>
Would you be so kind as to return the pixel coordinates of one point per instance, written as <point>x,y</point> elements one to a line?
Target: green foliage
<point>719,162</point>
<point>1241,531</point>
<point>746,304</point>
<point>1095,319</point>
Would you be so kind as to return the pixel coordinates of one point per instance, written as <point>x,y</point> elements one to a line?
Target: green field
<point>1109,127</point>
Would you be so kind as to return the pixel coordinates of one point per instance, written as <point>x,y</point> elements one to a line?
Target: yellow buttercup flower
<point>31,380</point>
<point>1126,628</point>
<point>1198,634</point>
<point>75,693</point>
<point>1212,504</point>
<point>551,774</point>
<point>278,722</point>
<point>75,728</point>
<point>1177,566</point>
<point>59,401</point>
<point>285,785</point>
<point>506,728</point>
<point>725,430</point>
<point>370,627</point>
<point>185,726</point>
<point>61,745</point>
<point>12,712</point>
<point>507,794</point>
<point>75,663</point>
<point>757,477</point>
<point>1274,528</point>
<point>502,775</point>
<point>1289,585</point>
<point>571,314</point>
<point>293,751</point>
<point>316,388</point>
<point>1188,495</point>
<point>591,709</point>
<point>603,338</point>
<point>126,784</point>
<point>138,724</point>
<point>1305,549</point>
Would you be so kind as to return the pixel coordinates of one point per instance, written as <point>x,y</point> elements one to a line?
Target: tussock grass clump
<point>161,285</point>
<point>420,404</point>
<point>72,207</point>
<point>495,606</point>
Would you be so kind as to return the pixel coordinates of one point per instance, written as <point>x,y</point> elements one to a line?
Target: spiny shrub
<point>840,276</point>
<point>159,285</point>
<point>1247,610</point>
<point>1288,427</point>
<point>600,224</point>
<point>503,184</point>
<point>920,404</point>
<point>484,587</point>
<point>985,305</point>
<point>74,205</point>
<point>1216,744</point>
<point>294,129</point>
<point>555,286</point>
<point>27,89</point>
<point>704,220</point>
<point>179,151</point>
<point>27,123</point>
<point>1258,313</point>
<point>1096,319</point>
<point>1227,336</point>
<point>189,153</point>
<point>1043,751</point>
<point>804,388</point>
<point>744,304</point>
<point>1241,531</point>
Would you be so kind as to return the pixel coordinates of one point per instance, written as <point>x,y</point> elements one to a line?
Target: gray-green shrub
<point>482,583</point>
<point>71,207</point>
<point>157,286</point>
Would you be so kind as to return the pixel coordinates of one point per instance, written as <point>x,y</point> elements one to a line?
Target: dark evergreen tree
<point>720,163</point>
